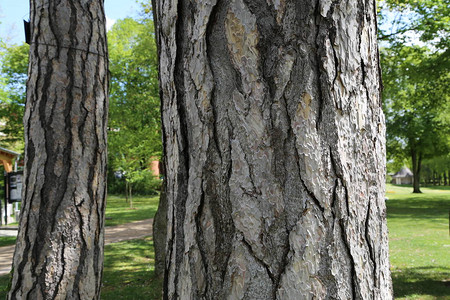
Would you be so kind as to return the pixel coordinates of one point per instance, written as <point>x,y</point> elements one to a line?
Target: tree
<point>274,139</point>
<point>59,251</point>
<point>134,118</point>
<point>14,64</point>
<point>415,63</point>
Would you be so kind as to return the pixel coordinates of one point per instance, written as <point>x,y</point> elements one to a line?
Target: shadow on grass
<point>4,283</point>
<point>426,187</point>
<point>419,207</point>
<point>421,281</point>
<point>129,271</point>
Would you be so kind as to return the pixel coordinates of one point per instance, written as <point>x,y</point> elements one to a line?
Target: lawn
<point>419,242</point>
<point>129,271</point>
<point>118,211</point>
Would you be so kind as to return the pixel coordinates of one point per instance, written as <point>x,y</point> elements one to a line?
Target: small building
<point>404,176</point>
<point>7,157</point>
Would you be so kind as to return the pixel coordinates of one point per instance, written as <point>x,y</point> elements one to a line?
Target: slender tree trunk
<point>417,163</point>
<point>275,147</point>
<point>445,178</point>
<point>59,251</point>
<point>130,193</point>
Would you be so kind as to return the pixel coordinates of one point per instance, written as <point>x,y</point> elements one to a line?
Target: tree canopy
<point>134,138</point>
<point>415,60</point>
<point>14,65</point>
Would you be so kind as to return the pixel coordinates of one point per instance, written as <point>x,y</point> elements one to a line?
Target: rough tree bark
<point>275,144</point>
<point>59,251</point>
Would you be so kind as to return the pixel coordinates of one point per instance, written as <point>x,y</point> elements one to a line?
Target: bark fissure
<point>63,265</point>
<point>183,139</point>
<point>200,240</point>
<point>260,261</point>
<point>370,248</point>
<point>354,280</point>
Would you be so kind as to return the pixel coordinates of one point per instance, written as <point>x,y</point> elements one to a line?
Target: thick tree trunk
<point>417,164</point>
<point>59,251</point>
<point>275,146</point>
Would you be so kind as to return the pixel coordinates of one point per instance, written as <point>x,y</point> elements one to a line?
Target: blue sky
<point>13,12</point>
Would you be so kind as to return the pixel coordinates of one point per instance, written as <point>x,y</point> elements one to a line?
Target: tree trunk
<point>417,163</point>
<point>59,251</point>
<point>275,144</point>
<point>445,178</point>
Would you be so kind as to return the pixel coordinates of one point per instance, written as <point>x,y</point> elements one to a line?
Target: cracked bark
<point>274,138</point>
<point>59,251</point>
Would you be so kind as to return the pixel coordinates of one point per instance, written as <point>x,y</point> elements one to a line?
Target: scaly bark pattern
<point>59,251</point>
<point>275,145</point>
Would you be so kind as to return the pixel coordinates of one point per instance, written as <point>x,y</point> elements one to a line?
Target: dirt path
<point>113,234</point>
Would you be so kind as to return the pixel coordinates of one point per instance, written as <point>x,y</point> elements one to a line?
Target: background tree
<point>416,63</point>
<point>134,119</point>
<point>59,250</point>
<point>14,65</point>
<point>274,139</point>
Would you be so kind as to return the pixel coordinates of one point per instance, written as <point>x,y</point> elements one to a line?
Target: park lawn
<point>129,271</point>
<point>118,211</point>
<point>419,242</point>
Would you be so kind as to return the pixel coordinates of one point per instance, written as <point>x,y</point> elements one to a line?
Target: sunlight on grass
<point>7,241</point>
<point>118,210</point>
<point>419,242</point>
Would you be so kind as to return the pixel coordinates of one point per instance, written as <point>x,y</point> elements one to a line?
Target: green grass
<point>7,241</point>
<point>419,242</point>
<point>4,283</point>
<point>118,211</point>
<point>128,272</point>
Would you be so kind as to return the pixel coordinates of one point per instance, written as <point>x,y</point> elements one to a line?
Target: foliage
<point>134,139</point>
<point>415,60</point>
<point>14,65</point>
<point>403,21</point>
<point>418,237</point>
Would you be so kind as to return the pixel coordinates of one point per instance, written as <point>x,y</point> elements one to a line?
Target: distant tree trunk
<point>59,251</point>
<point>445,178</point>
<point>417,164</point>
<point>275,147</point>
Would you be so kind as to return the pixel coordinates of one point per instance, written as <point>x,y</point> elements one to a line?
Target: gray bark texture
<point>275,144</point>
<point>59,251</point>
